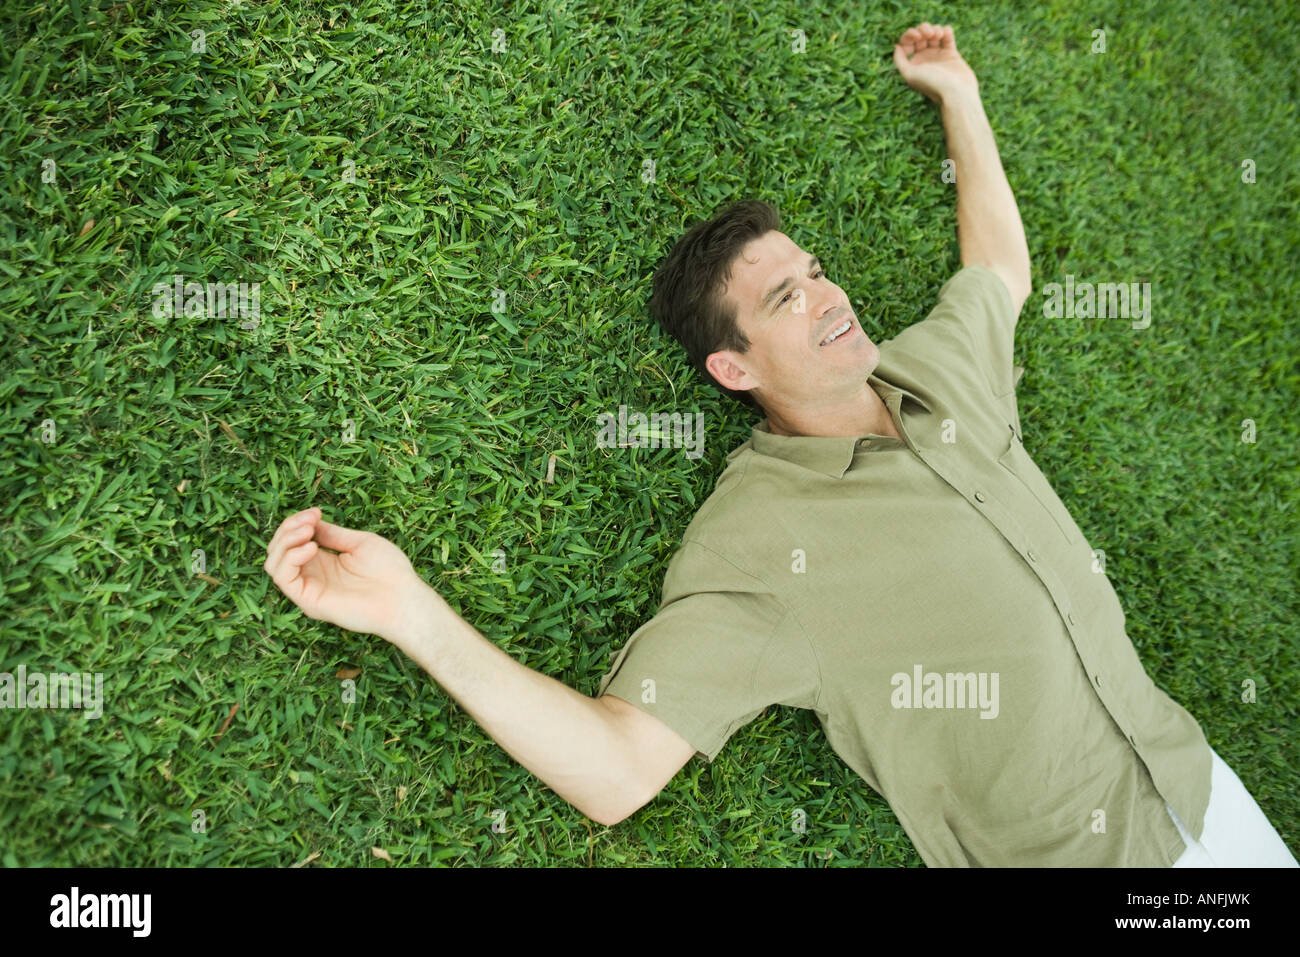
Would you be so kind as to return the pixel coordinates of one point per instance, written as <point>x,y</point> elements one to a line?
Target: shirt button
<point>864,443</point>
<point>979,496</point>
<point>1070,616</point>
<point>1097,678</point>
<point>1032,557</point>
<point>1131,741</point>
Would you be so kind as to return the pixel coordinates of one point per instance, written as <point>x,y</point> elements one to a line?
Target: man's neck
<point>866,414</point>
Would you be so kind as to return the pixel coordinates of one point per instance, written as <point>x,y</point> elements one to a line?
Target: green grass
<point>522,171</point>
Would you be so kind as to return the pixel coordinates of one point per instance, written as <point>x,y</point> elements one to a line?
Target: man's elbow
<point>616,807</point>
<point>609,817</point>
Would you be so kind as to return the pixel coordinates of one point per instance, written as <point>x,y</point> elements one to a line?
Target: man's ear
<point>727,368</point>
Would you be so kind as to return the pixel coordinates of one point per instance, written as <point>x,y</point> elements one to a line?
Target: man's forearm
<point>989,230</point>
<point>567,739</point>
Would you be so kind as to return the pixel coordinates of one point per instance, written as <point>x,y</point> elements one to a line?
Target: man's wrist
<point>417,610</point>
<point>960,98</point>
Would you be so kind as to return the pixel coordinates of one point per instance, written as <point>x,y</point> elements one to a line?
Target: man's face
<point>786,307</point>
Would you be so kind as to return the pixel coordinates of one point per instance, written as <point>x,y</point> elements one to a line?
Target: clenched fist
<point>927,59</point>
<point>369,586</point>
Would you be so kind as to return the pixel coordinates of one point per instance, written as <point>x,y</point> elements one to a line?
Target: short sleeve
<point>970,330</point>
<point>719,651</point>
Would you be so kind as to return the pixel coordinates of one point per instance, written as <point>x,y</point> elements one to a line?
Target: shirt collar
<point>830,455</point>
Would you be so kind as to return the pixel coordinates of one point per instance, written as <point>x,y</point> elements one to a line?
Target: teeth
<point>837,333</point>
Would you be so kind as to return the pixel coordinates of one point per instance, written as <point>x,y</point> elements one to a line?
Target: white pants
<point>1236,833</point>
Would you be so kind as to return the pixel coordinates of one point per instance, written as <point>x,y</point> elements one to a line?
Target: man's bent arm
<point>603,756</point>
<point>570,741</point>
<point>989,229</point>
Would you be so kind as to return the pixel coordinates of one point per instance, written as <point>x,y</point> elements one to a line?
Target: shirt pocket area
<point>1017,461</point>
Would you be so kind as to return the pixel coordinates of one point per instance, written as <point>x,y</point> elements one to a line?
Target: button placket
<point>1017,461</point>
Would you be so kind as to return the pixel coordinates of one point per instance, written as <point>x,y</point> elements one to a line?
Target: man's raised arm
<point>989,229</point>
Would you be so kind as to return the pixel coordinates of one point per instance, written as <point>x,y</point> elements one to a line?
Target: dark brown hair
<point>687,300</point>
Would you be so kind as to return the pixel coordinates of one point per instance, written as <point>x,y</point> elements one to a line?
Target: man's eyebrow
<point>766,301</point>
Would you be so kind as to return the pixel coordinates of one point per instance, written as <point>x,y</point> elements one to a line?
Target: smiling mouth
<point>841,331</point>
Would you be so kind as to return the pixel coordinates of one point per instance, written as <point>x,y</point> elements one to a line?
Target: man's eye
<point>820,272</point>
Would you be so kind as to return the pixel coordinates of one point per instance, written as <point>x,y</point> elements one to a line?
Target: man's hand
<point>369,586</point>
<point>935,68</point>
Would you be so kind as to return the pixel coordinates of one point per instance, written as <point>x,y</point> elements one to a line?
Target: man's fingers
<point>292,522</point>
<point>339,538</point>
<point>300,555</point>
<point>297,517</point>
<point>290,566</point>
<point>284,540</point>
<point>925,36</point>
<point>288,576</point>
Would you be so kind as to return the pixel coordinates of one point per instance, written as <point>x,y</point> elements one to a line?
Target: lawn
<point>452,213</point>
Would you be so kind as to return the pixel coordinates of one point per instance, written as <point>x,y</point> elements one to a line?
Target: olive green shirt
<point>934,604</point>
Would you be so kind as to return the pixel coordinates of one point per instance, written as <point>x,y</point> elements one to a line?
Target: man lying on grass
<point>882,551</point>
